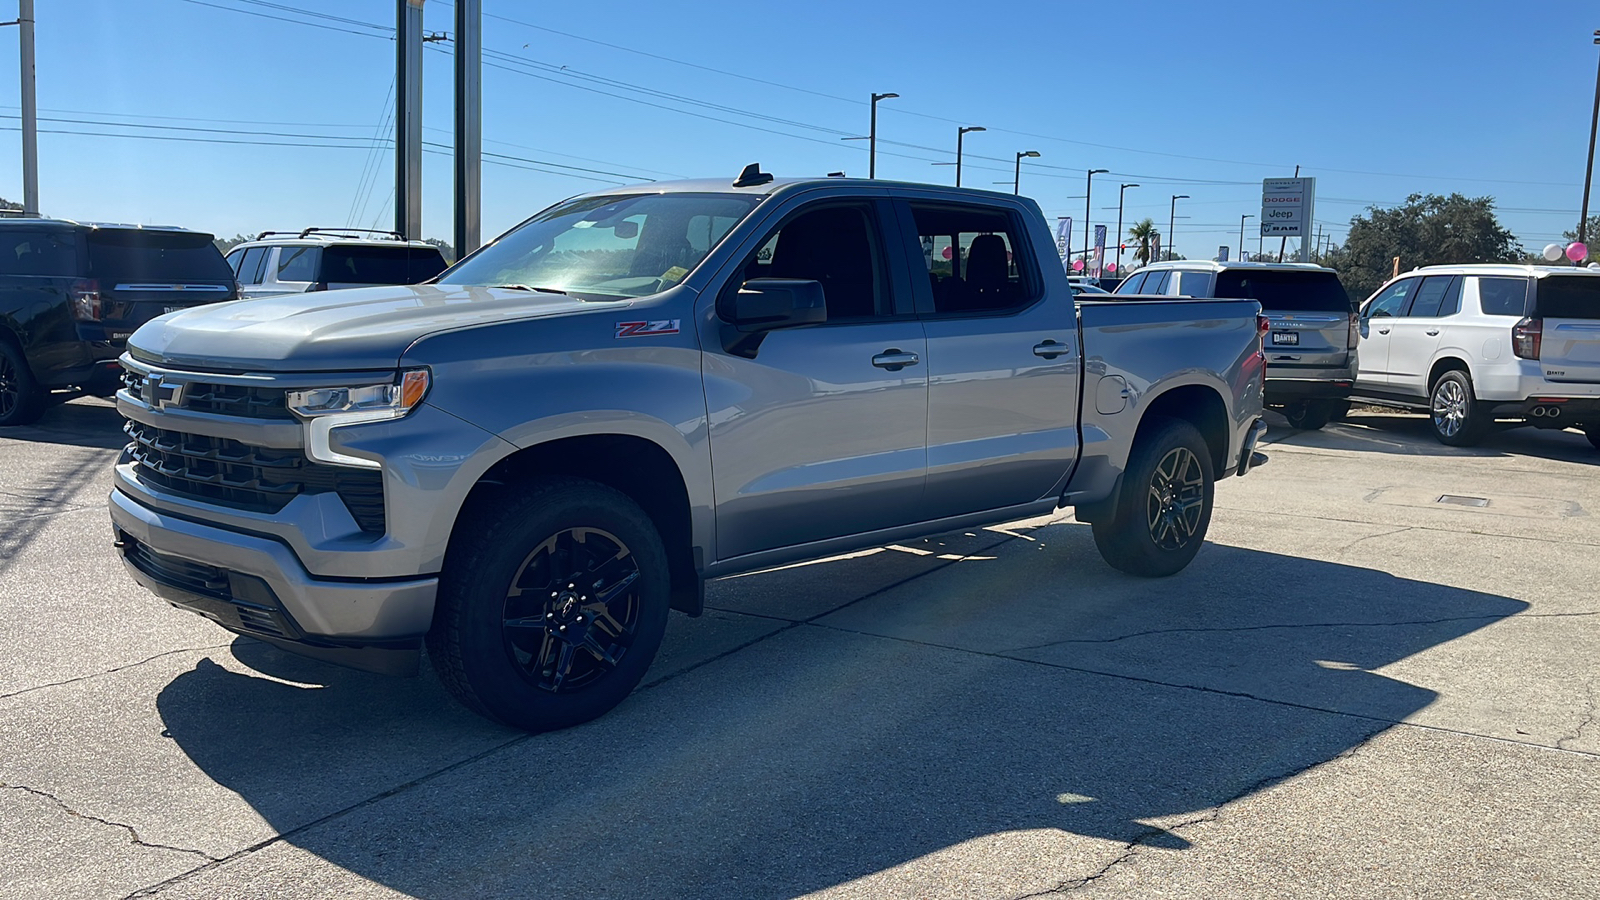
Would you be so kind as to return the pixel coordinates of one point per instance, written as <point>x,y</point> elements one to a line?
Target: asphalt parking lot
<point>1354,691</point>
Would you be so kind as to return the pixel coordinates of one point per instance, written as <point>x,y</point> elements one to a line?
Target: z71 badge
<point>647,329</point>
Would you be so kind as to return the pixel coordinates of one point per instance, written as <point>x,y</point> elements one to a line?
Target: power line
<point>246,12</point>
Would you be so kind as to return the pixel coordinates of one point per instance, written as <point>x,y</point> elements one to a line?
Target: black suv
<point>71,293</point>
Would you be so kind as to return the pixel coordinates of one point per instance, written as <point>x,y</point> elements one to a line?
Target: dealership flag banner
<point>1099,250</point>
<point>1064,241</point>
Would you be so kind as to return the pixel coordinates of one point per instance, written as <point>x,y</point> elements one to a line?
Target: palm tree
<point>1144,234</point>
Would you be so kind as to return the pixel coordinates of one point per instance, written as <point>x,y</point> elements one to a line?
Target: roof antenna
<point>752,176</point>
<point>835,174</point>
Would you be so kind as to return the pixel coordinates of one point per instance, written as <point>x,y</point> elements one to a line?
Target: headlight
<point>324,409</point>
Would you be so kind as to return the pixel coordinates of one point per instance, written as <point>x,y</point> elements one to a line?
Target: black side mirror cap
<point>761,305</point>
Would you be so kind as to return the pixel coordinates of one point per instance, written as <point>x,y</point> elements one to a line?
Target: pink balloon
<point>1077,265</point>
<point>947,254</point>
<point>1577,252</point>
<point>1111,267</point>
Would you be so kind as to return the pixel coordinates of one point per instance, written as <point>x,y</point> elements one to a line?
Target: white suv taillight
<point>1526,336</point>
<point>86,300</point>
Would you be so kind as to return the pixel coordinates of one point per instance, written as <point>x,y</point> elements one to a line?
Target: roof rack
<point>333,233</point>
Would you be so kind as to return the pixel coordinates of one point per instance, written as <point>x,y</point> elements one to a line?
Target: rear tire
<point>1453,410</point>
<point>22,401</point>
<point>1164,505</point>
<point>1308,415</point>
<point>552,604</point>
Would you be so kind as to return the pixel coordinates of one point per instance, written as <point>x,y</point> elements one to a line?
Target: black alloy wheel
<point>572,611</point>
<point>1163,506</point>
<point>21,400</point>
<point>1175,500</point>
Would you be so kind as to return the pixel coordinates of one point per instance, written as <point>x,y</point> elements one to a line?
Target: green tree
<point>9,204</point>
<point>444,248</point>
<point>1142,234</point>
<point>1426,230</point>
<point>226,244</point>
<point>1591,237</point>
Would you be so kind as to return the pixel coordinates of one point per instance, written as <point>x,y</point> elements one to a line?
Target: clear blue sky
<point>1375,99</point>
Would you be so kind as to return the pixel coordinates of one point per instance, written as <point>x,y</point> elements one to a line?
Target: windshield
<point>1282,290</point>
<point>609,247</point>
<point>155,256</point>
<point>1568,297</point>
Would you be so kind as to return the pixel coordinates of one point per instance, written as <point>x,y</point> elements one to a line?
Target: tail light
<point>317,286</point>
<point>1355,332</point>
<point>1263,325</point>
<point>1526,337</point>
<point>86,300</point>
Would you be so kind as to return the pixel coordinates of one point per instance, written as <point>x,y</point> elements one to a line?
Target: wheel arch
<point>1445,364</point>
<point>1201,406</point>
<point>638,467</point>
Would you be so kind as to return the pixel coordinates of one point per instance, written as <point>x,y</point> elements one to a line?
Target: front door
<point>1416,334</point>
<point>1377,324</point>
<point>821,431</point>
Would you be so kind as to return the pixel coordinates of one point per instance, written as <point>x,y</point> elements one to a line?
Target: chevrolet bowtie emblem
<point>162,394</point>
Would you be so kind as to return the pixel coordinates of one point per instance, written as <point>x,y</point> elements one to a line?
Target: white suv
<point>326,259</point>
<point>1475,343</point>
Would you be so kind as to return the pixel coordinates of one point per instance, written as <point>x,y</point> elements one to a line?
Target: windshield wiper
<point>525,287</point>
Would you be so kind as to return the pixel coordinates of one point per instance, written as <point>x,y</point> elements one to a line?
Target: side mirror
<point>766,304</point>
<point>763,304</point>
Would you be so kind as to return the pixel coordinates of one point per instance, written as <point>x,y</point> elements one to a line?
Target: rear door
<point>1570,308</point>
<point>1308,310</point>
<point>1416,334</point>
<point>1002,360</point>
<point>142,274</point>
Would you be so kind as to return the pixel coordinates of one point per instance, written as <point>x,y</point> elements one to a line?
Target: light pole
<point>961,133</point>
<point>1120,192</point>
<point>1172,221</point>
<point>872,136</point>
<point>1089,190</point>
<point>1241,235</point>
<point>1016,181</point>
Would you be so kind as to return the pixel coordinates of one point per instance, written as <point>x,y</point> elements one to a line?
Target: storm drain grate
<point>1476,502</point>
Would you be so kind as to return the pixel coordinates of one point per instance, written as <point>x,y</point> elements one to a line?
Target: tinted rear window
<point>1568,297</point>
<point>1286,291</point>
<point>156,257</point>
<point>379,265</point>
<point>1503,296</point>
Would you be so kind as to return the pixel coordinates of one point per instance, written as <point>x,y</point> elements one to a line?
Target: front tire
<point>552,604</point>
<point>1453,410</point>
<point>1164,506</point>
<point>22,401</point>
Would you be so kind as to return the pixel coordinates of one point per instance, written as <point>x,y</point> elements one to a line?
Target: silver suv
<point>1475,343</point>
<point>1311,347</point>
<point>326,259</point>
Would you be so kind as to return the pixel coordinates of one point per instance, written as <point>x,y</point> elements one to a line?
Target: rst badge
<point>647,329</point>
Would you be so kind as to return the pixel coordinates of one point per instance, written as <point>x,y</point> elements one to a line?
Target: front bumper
<point>254,585</point>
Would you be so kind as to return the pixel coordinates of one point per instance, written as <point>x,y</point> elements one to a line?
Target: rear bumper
<point>1284,390</point>
<point>1551,410</point>
<point>254,585</point>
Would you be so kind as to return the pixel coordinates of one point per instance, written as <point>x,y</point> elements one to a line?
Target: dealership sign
<point>1287,206</point>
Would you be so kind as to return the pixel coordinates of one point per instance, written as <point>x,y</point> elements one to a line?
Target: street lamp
<point>1241,234</point>
<point>1588,172</point>
<point>872,136</point>
<point>1120,192</point>
<point>1172,221</point>
<point>1016,181</point>
<point>961,133</point>
<point>1086,193</point>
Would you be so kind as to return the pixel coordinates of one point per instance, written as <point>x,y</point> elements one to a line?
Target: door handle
<point>1383,331</point>
<point>1051,349</point>
<point>894,360</point>
<point>1432,332</point>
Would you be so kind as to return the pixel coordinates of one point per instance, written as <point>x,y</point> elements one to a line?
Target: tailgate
<point>1308,339</point>
<point>1570,307</point>
<point>144,273</point>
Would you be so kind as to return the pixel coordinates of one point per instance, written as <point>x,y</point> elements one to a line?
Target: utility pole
<point>408,119</point>
<point>469,126</point>
<point>1588,172</point>
<point>1172,224</point>
<point>30,111</point>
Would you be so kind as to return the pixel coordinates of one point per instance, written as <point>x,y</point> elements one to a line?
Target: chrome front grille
<point>244,401</point>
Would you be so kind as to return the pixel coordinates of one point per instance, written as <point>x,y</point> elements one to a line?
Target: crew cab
<point>1476,344</point>
<point>527,462</point>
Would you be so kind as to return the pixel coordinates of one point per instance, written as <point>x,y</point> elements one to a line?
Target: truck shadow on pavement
<point>1412,435</point>
<point>1024,688</point>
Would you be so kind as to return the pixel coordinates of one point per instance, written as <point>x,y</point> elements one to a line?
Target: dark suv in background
<point>1311,345</point>
<point>72,292</point>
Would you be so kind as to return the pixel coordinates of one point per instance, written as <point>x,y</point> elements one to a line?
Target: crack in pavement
<point>1210,814</point>
<point>154,889</point>
<point>77,678</point>
<point>134,835</point>
<point>1587,721</point>
<point>1370,537</point>
<point>1238,628</point>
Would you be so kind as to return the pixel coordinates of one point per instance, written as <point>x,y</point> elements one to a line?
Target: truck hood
<point>362,328</point>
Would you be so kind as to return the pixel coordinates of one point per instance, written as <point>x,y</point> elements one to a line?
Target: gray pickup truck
<point>527,462</point>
